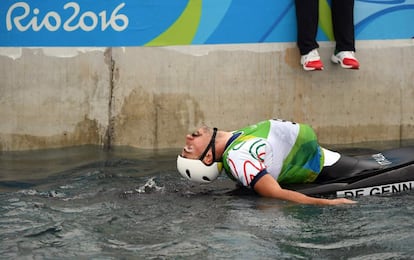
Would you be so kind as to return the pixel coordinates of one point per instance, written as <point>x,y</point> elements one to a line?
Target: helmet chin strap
<point>211,145</point>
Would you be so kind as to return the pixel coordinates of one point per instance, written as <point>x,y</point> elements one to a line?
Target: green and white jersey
<point>286,150</point>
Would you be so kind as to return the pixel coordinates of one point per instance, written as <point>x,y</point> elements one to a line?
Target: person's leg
<point>307,15</point>
<point>344,32</point>
<point>343,24</point>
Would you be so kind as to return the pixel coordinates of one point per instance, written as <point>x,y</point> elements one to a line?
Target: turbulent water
<point>89,204</point>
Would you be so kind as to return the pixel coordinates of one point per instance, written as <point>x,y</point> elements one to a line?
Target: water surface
<point>128,204</point>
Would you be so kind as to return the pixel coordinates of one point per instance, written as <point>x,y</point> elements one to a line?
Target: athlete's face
<point>196,142</point>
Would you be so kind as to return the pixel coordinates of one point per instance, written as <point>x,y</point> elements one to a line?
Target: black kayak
<point>386,172</point>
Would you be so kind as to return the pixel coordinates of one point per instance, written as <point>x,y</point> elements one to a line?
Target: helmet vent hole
<point>206,178</point>
<point>188,173</point>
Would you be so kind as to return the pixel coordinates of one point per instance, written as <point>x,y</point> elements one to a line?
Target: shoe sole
<point>310,68</point>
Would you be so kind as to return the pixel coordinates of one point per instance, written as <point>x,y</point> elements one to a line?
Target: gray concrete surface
<point>150,97</point>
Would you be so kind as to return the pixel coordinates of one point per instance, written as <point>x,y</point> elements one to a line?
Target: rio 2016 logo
<point>22,17</point>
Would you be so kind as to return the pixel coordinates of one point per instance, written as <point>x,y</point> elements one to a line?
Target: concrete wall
<point>150,97</point>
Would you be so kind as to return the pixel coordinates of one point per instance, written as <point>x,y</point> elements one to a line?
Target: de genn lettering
<point>22,17</point>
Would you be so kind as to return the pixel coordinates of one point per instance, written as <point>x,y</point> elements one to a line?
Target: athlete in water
<point>259,157</point>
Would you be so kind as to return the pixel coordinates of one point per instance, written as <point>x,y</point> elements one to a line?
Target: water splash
<point>150,186</point>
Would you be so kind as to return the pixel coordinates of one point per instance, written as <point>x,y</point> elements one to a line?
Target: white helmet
<point>195,170</point>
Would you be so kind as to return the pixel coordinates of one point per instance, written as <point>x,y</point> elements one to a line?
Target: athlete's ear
<point>208,159</point>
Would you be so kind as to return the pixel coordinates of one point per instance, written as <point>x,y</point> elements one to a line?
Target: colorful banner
<point>184,22</point>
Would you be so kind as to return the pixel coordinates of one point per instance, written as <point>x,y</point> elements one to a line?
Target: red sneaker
<point>311,61</point>
<point>346,59</point>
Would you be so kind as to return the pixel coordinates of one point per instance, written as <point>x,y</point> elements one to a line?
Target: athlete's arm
<point>267,186</point>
